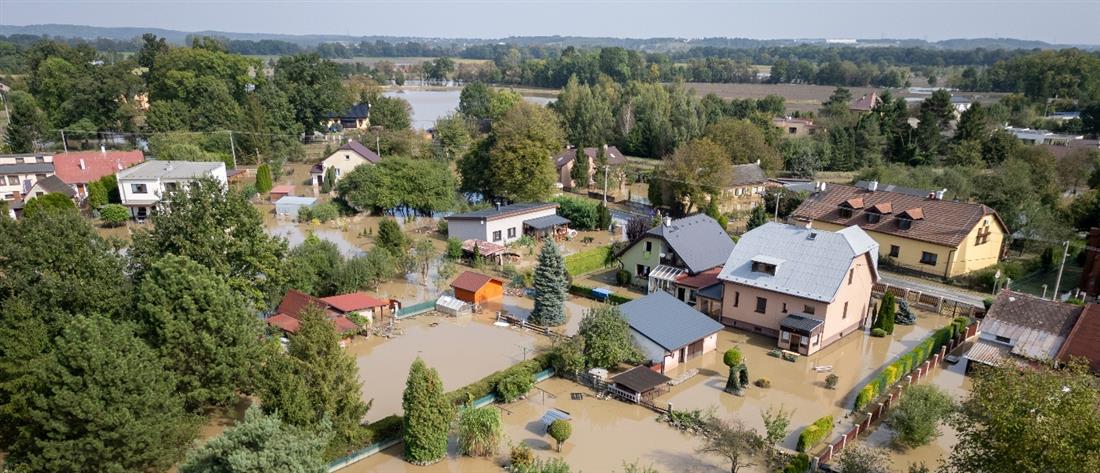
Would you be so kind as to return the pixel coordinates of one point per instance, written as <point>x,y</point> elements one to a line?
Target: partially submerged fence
<point>876,409</point>
<point>931,302</point>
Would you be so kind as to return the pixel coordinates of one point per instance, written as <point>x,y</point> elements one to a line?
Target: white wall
<point>483,230</point>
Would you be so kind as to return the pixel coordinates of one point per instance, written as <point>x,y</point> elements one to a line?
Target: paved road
<point>933,288</point>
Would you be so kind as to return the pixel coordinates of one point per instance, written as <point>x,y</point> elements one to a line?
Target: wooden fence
<point>875,412</point>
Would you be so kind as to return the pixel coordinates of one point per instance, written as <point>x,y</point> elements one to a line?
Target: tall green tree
<point>201,330</point>
<point>391,113</point>
<point>607,338</point>
<point>586,114</point>
<point>474,100</point>
<point>312,266</point>
<point>757,217</point>
<point>916,419</point>
<point>452,136</point>
<point>427,417</point>
<point>27,124</point>
<point>744,143</point>
<point>103,402</point>
<point>259,444</point>
<point>418,185</point>
<point>312,86</point>
<point>697,169</point>
<point>579,173</point>
<point>1035,420</point>
<point>973,125</point>
<point>263,179</point>
<point>513,162</point>
<point>218,229</point>
<point>551,285</point>
<point>52,202</point>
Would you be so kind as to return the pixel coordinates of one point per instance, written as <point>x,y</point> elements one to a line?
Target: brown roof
<point>853,203</point>
<point>362,150</point>
<point>471,281</point>
<point>913,214</point>
<point>640,379</point>
<point>1084,339</point>
<point>882,208</point>
<point>354,301</point>
<point>866,102</point>
<point>703,279</point>
<point>1033,312</point>
<point>945,222</point>
<point>295,301</point>
<point>567,155</point>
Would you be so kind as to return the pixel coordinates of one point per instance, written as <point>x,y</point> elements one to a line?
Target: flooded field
<point>432,104</point>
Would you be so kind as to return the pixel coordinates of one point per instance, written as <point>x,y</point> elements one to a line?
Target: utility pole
<point>605,186</point>
<point>64,145</point>
<point>232,148</point>
<point>778,197</point>
<point>1058,282</point>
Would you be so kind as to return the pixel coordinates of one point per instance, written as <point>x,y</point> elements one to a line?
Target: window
<point>851,275</point>
<point>648,246</point>
<point>928,258</point>
<point>895,250</point>
<point>171,186</point>
<point>496,235</point>
<point>761,305</point>
<point>844,314</point>
<point>642,270</point>
<point>512,232</point>
<point>347,157</point>
<point>873,217</point>
<point>817,339</point>
<point>13,180</point>
<point>337,172</point>
<point>792,130</point>
<point>39,159</point>
<point>139,189</point>
<point>784,307</point>
<point>809,309</point>
<point>905,223</point>
<point>786,336</point>
<point>736,298</point>
<point>18,160</point>
<point>845,212</point>
<point>1003,339</point>
<point>805,341</point>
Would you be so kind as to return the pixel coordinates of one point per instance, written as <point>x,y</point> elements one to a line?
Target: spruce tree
<point>391,238</point>
<point>263,179</point>
<point>757,217</point>
<point>328,183</point>
<point>259,444</point>
<point>330,373</point>
<point>427,415</point>
<point>550,288</point>
<point>580,169</point>
<point>886,311</point>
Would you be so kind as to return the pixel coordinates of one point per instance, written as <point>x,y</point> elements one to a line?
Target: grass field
<point>799,97</point>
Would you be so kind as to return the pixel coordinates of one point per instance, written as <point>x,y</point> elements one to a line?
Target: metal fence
<point>415,309</point>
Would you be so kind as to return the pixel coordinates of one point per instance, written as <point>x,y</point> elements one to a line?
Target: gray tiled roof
<point>362,150</point>
<point>800,322</point>
<point>744,174</point>
<point>170,170</point>
<point>493,213</point>
<point>55,185</point>
<point>546,221</point>
<point>814,262</point>
<point>666,321</point>
<point>697,239</point>
<point>27,168</point>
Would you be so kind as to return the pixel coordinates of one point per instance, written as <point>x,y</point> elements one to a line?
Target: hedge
<point>585,291</point>
<point>487,385</point>
<point>583,214</point>
<point>586,261</point>
<point>386,428</point>
<point>815,433</point>
<point>908,362</point>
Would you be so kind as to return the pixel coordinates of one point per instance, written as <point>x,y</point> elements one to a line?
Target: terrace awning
<point>546,222</point>
<point>800,324</point>
<point>640,379</point>
<point>666,273</point>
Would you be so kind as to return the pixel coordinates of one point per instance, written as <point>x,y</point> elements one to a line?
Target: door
<point>680,293</point>
<point>682,355</point>
<point>795,340</point>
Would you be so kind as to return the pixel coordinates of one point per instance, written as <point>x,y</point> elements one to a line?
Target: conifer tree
<point>427,415</point>
<point>259,444</point>
<point>580,169</point>
<point>263,179</point>
<point>550,287</point>
<point>329,181</point>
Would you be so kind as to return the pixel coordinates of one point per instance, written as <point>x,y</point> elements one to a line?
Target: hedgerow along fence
<point>872,408</point>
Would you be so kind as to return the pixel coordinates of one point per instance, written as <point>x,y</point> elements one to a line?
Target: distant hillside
<point>645,44</point>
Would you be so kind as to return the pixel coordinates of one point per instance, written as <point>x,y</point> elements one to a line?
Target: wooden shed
<point>477,288</point>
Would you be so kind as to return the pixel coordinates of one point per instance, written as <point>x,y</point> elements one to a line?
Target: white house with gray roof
<point>141,187</point>
<point>679,256</point>
<point>807,287</point>
<point>668,331</point>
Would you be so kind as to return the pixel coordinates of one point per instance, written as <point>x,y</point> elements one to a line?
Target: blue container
<point>601,294</point>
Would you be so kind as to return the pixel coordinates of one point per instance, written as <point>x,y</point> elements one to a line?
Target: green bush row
<point>488,384</point>
<point>583,214</point>
<point>584,291</point>
<point>908,362</point>
<point>815,433</point>
<point>589,260</point>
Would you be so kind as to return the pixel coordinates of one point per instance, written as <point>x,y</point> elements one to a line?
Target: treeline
<point>897,56</point>
<point>1068,74</point>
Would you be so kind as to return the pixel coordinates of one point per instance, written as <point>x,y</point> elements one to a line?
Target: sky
<point>1055,21</point>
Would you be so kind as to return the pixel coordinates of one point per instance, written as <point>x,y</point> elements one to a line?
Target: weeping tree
<point>550,287</point>
<point>739,373</point>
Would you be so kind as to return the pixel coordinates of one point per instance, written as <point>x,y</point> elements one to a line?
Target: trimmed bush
<point>878,332</point>
<point>732,357</point>
<point>866,395</point>
<point>487,385</point>
<point>560,430</point>
<point>515,385</point>
<point>763,383</point>
<point>798,464</point>
<point>585,291</point>
<point>384,429</point>
<point>587,261</point>
<point>815,433</point>
<point>114,215</point>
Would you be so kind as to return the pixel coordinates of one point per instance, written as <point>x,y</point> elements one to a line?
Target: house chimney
<point>118,164</point>
<point>497,203</point>
<point>940,193</point>
<point>82,166</point>
<point>605,146</point>
<point>822,186</point>
<point>872,186</point>
<point>668,221</point>
<point>103,149</point>
<point>931,196</point>
<point>809,225</point>
<point>757,162</point>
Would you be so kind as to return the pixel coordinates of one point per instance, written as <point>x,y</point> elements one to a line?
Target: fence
<point>934,303</point>
<point>415,309</point>
<point>875,411</point>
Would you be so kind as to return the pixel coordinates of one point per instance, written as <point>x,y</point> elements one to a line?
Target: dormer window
<point>904,223</point>
<point>873,217</point>
<point>848,207</point>
<point>905,219</point>
<point>765,264</point>
<point>845,212</point>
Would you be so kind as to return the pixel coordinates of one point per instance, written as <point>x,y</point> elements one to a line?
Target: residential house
<point>355,118</point>
<point>1084,339</point>
<point>288,316</point>
<point>50,185</point>
<point>476,288</point>
<point>1022,328</point>
<point>19,173</point>
<point>143,185</point>
<point>505,224</point>
<point>795,127</point>
<point>805,286</point>
<point>668,331</point>
<point>79,169</point>
<point>564,161</point>
<point>346,158</point>
<point>1042,137</point>
<point>921,233</point>
<point>678,256</point>
<point>377,311</point>
<point>746,188</point>
<point>865,103</point>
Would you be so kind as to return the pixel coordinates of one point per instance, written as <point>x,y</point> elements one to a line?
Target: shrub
<point>763,383</point>
<point>454,248</point>
<point>553,465</point>
<point>479,431</point>
<point>385,429</point>
<point>732,357</point>
<point>831,381</point>
<point>249,191</point>
<point>798,464</point>
<point>442,227</point>
<point>521,456</point>
<point>325,212</point>
<point>487,385</point>
<point>916,419</point>
<point>866,395</point>
<point>585,291</point>
<point>622,277</point>
<point>114,215</point>
<point>815,433</point>
<point>560,430</point>
<point>515,385</point>
<point>878,332</point>
<point>583,214</point>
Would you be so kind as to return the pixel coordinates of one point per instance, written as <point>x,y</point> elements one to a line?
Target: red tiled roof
<point>945,222</point>
<point>343,324</point>
<point>913,214</point>
<point>853,203</point>
<point>283,189</point>
<point>471,281</point>
<point>703,279</point>
<point>354,301</point>
<point>295,301</point>
<point>284,322</point>
<point>882,207</point>
<point>1084,339</point>
<point>866,102</point>
<point>96,164</point>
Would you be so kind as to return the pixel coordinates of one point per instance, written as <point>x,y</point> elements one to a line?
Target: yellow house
<point>915,230</point>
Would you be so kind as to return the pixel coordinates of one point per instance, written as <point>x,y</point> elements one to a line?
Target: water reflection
<point>430,105</point>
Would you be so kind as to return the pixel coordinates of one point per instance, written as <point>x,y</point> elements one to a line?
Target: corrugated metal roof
<point>667,321</point>
<point>815,262</point>
<point>640,379</point>
<point>698,239</point>
<point>988,353</point>
<point>667,273</point>
<point>1036,328</point>
<point>295,200</point>
<point>170,170</point>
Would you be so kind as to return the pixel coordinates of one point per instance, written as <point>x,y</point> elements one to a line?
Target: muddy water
<point>794,386</point>
<point>605,434</point>
<point>953,380</point>
<point>463,350</point>
<point>521,307</point>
